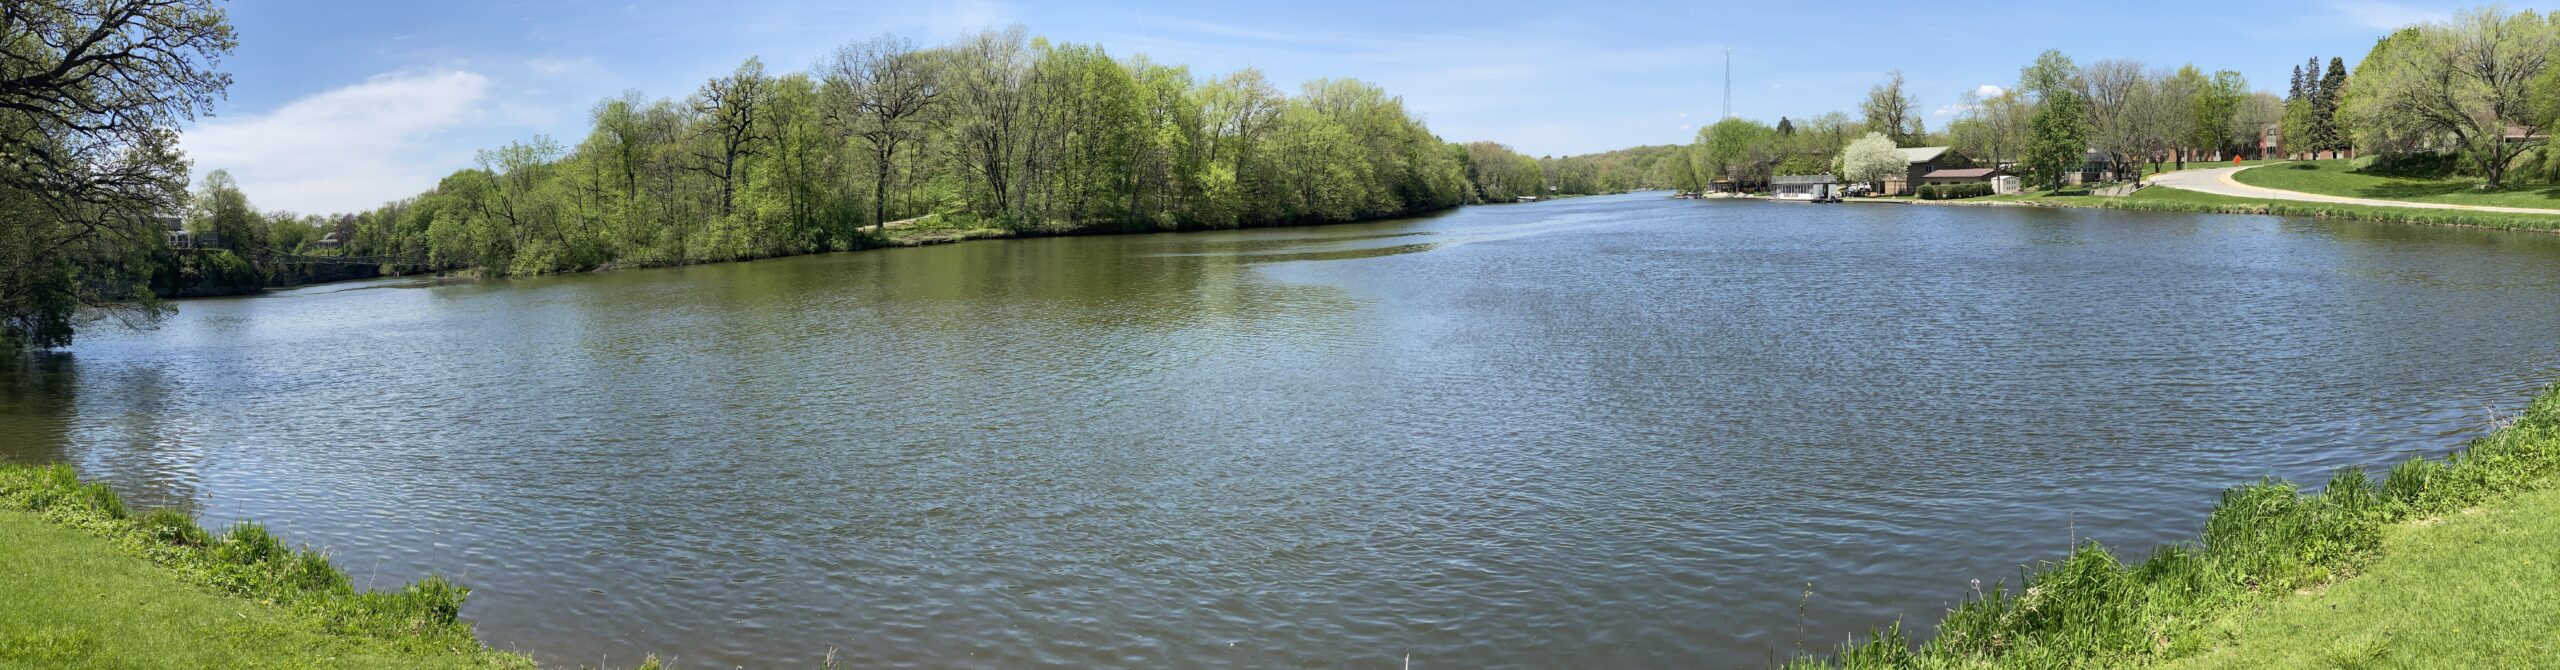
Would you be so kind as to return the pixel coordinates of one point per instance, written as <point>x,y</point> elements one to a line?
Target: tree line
<point>997,129</point>
<point>2044,126</point>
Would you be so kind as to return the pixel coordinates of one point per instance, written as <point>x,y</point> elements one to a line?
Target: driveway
<point>2218,181</point>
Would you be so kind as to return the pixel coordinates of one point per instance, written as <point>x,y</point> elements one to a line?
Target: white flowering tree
<point>1871,160</point>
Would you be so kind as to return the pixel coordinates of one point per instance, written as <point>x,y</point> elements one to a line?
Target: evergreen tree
<point>2295,92</point>
<point>2333,89</point>
<point>1786,127</point>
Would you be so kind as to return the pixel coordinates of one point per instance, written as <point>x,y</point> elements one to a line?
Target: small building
<point>1962,176</point>
<point>2007,184</point>
<point>2096,167</point>
<point>330,241</point>
<point>175,227</point>
<point>1805,188</point>
<point>1921,161</point>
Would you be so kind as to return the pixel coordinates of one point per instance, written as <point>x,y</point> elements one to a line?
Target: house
<point>1805,188</point>
<point>175,227</point>
<point>1922,161</point>
<point>1962,176</point>
<point>2095,167</point>
<point>330,241</point>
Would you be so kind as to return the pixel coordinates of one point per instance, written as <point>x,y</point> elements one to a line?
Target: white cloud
<point>1989,91</point>
<point>343,150</point>
<point>2382,15</point>
<point>1952,110</point>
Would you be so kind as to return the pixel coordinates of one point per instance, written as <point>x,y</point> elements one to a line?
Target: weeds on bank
<point>248,561</point>
<point>2091,609</point>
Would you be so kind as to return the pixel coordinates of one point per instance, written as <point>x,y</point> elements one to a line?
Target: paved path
<point>2218,181</point>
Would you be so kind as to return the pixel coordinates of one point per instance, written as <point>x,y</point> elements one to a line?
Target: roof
<point>1803,179</point>
<point>1967,173</point>
<point>1922,154</point>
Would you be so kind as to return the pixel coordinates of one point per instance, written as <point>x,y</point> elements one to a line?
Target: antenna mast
<point>1728,85</point>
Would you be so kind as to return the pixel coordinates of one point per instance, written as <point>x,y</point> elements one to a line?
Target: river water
<point>1604,432</point>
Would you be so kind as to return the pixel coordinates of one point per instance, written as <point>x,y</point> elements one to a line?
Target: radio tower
<point>1728,85</point>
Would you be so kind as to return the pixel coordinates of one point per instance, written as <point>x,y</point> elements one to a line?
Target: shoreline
<point>893,237</point>
<point>2170,199</point>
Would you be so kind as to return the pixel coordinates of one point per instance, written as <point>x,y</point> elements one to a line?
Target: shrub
<point>1954,191</point>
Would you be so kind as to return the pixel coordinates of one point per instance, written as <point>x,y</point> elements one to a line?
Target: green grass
<point>2167,199</point>
<point>2475,589</point>
<point>2346,177</point>
<point>2264,541</point>
<point>2205,165</point>
<point>89,585</point>
<point>75,601</point>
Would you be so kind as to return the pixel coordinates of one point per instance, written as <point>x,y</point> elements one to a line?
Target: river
<point>1603,432</point>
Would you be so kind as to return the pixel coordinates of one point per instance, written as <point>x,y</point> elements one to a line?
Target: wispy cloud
<point>2384,15</point>
<point>346,149</point>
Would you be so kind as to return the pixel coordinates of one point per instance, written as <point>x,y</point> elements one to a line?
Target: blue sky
<point>339,106</point>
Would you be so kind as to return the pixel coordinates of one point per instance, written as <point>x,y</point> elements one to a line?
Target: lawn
<point>2202,165</point>
<point>2345,177</point>
<point>2473,589</point>
<point>76,601</point>
<point>2167,199</point>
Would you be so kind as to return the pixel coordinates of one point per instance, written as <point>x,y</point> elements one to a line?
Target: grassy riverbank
<point>2354,178</point>
<point>2475,589</point>
<point>91,585</point>
<point>2233,595</point>
<point>2168,199</point>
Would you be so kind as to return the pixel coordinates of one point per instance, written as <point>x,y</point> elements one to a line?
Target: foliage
<point>2092,609</point>
<point>1030,136</point>
<point>1871,160</point>
<point>91,95</point>
<point>2216,122</point>
<point>2059,142</point>
<point>1993,130</point>
<point>1742,150</point>
<point>2468,81</point>
<point>2051,74</point>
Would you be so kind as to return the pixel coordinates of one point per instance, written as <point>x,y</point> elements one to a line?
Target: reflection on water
<point>35,407</point>
<point>1597,432</point>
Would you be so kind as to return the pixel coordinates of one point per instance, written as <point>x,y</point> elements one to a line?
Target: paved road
<point>2218,181</point>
